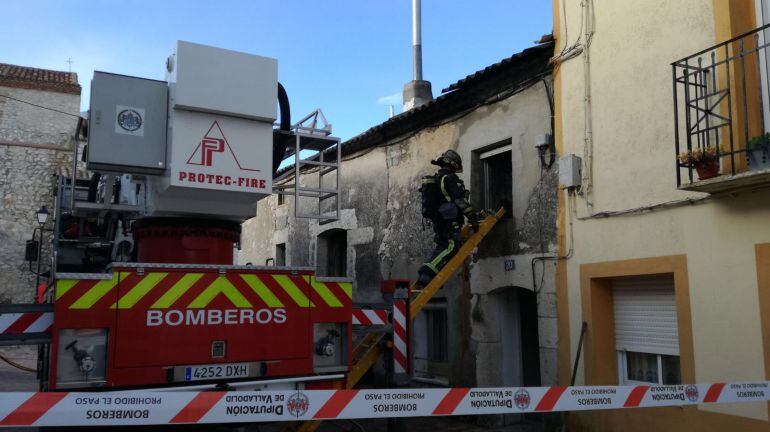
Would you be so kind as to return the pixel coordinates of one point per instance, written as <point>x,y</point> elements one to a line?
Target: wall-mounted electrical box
<point>543,140</point>
<point>127,124</point>
<point>570,174</point>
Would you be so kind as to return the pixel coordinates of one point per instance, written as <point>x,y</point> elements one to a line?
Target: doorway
<point>515,310</point>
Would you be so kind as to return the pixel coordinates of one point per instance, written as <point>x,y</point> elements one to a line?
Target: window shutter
<point>645,315</point>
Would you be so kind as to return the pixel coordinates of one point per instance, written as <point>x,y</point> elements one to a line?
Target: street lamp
<point>42,217</point>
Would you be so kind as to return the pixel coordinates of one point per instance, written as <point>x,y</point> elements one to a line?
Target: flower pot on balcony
<point>704,159</point>
<point>707,169</point>
<point>759,158</point>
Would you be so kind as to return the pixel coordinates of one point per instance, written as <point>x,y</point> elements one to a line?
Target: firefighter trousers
<point>447,239</point>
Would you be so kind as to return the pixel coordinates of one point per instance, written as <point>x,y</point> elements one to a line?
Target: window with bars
<point>437,335</point>
<point>430,342</point>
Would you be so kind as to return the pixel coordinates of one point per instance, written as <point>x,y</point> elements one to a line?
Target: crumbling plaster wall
<point>387,240</point>
<point>530,233</point>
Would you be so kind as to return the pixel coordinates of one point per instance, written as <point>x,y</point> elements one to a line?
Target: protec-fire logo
<point>213,142</point>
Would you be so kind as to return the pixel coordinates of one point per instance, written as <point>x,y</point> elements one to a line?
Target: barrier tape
<point>370,317</point>
<point>400,337</point>
<point>25,322</point>
<point>156,408</point>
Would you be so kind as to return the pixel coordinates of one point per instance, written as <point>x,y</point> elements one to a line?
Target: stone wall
<point>34,146</point>
<point>386,238</point>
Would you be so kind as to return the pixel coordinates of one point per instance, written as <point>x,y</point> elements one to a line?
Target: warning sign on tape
<point>148,408</point>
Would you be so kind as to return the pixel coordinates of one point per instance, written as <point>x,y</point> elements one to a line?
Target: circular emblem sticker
<point>297,404</point>
<point>521,399</point>
<point>691,392</point>
<point>129,120</point>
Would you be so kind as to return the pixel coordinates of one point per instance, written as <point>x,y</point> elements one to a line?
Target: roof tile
<point>38,79</point>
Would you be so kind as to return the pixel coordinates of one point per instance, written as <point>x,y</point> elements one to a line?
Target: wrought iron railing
<point>721,97</point>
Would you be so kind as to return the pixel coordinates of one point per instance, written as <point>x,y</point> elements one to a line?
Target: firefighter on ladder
<point>445,204</point>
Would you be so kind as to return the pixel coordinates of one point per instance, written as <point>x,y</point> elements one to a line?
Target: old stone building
<point>39,112</point>
<point>495,323</point>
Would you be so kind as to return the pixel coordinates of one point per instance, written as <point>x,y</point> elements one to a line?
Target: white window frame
<point>424,368</point>
<point>622,360</point>
<point>623,369</point>
<point>487,175</point>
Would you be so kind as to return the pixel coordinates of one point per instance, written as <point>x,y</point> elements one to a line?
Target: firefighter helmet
<point>451,159</point>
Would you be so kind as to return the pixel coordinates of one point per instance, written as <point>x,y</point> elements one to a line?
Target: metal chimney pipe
<point>417,40</point>
<point>417,92</point>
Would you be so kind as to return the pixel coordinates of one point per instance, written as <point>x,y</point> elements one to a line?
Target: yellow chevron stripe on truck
<point>347,287</point>
<point>324,292</point>
<point>96,292</point>
<point>220,286</point>
<point>139,290</point>
<point>294,292</point>
<point>269,293</point>
<point>262,290</point>
<point>64,285</point>
<point>177,290</point>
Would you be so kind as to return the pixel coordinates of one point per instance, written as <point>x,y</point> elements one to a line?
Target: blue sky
<point>349,58</point>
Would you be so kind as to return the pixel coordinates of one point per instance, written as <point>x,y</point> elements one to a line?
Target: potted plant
<point>759,152</point>
<point>705,161</point>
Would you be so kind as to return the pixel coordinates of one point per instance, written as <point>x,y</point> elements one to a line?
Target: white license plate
<point>217,371</point>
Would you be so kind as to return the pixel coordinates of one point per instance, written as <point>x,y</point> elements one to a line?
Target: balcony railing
<point>722,114</point>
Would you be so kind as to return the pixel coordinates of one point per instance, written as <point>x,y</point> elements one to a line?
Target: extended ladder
<point>366,353</point>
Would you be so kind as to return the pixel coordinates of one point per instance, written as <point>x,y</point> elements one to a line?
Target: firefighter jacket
<point>455,205</point>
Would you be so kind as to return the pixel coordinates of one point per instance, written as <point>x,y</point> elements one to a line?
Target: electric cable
<point>568,255</point>
<point>647,208</point>
<point>544,166</point>
<point>40,106</point>
<point>17,365</point>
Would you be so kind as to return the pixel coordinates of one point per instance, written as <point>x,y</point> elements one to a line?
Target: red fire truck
<point>148,324</point>
<point>143,290</point>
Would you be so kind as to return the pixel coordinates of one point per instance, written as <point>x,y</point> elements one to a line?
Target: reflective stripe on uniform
<point>443,190</point>
<point>432,265</point>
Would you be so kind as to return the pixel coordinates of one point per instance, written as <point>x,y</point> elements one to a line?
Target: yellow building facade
<point>668,269</point>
